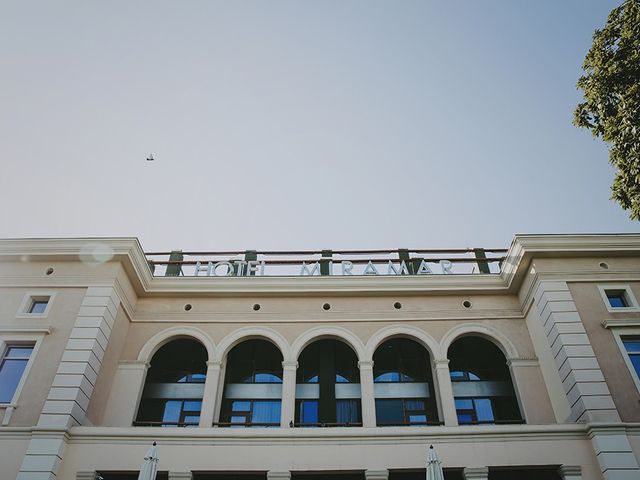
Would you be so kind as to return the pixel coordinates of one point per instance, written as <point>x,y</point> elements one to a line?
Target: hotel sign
<point>242,268</point>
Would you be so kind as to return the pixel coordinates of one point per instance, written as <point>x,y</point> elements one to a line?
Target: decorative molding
<point>631,322</point>
<point>28,329</point>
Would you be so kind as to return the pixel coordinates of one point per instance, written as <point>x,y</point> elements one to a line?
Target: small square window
<point>617,298</point>
<point>38,306</point>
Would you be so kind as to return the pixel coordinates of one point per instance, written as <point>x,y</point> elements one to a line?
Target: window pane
<point>241,406</point>
<point>635,360</point>
<point>267,378</point>
<point>464,404</point>
<point>238,419</point>
<point>617,301</point>
<point>192,420</point>
<point>388,377</point>
<point>417,419</point>
<point>309,411</point>
<point>172,410</point>
<point>266,411</point>
<point>457,375</point>
<point>389,412</point>
<point>484,411</point>
<point>10,375</point>
<point>632,346</point>
<point>38,306</point>
<point>414,404</point>
<point>192,405</point>
<point>19,352</point>
<point>347,411</point>
<point>465,418</point>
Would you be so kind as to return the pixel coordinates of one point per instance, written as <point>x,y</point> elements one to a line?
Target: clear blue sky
<point>299,124</point>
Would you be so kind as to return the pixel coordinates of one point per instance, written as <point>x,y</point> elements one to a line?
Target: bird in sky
<point>150,158</point>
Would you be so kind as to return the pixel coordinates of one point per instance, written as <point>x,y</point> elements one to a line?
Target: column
<point>288,410</point>
<point>475,473</point>
<point>450,417</point>
<point>570,472</point>
<point>180,475</point>
<point>210,393</point>
<point>278,475</point>
<point>376,474</point>
<point>367,394</point>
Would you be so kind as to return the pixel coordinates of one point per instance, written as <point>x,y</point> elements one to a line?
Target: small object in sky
<point>150,158</point>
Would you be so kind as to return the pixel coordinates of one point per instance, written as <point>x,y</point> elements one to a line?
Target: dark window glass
<point>307,411</point>
<point>38,306</point>
<point>402,411</point>
<point>632,346</point>
<point>348,411</point>
<point>400,360</point>
<point>341,355</point>
<point>251,413</point>
<point>180,361</point>
<point>177,363</point>
<point>169,413</point>
<point>254,361</point>
<point>617,298</point>
<point>473,359</point>
<point>12,366</point>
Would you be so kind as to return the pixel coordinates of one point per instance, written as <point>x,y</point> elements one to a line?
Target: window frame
<point>7,340</point>
<point>29,298</point>
<point>628,295</point>
<point>618,334</point>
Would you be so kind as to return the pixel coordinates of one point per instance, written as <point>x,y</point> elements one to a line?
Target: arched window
<point>403,384</point>
<point>328,385</point>
<point>173,389</point>
<point>481,381</point>
<point>253,385</point>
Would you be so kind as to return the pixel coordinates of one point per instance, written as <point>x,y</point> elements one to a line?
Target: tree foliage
<point>611,107</point>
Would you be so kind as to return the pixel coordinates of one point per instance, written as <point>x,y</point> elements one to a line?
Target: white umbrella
<point>149,467</point>
<point>434,465</point>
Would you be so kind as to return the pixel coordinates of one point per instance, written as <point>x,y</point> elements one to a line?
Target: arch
<point>249,333</point>
<point>320,333</point>
<point>165,336</point>
<point>406,331</point>
<point>501,341</point>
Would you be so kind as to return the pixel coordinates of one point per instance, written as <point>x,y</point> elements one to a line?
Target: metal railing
<point>327,262</point>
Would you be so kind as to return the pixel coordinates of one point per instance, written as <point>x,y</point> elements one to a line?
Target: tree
<point>611,107</point>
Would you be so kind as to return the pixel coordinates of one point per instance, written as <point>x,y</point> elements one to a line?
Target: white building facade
<point>348,366</point>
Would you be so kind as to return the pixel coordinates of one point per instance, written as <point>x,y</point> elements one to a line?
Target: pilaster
<point>583,381</point>
<point>367,394</point>
<point>614,453</point>
<point>73,384</point>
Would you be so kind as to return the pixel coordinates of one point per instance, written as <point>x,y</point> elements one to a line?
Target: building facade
<point>348,365</point>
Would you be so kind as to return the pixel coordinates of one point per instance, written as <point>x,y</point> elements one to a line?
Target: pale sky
<point>299,124</point>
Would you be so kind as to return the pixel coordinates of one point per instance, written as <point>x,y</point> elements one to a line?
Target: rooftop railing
<point>467,261</point>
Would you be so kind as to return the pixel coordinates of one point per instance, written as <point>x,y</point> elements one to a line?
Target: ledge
<point>632,322</point>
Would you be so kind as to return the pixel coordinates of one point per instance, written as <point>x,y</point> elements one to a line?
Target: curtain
<point>266,411</point>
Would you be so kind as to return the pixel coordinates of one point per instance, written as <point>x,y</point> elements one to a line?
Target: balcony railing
<point>327,262</point>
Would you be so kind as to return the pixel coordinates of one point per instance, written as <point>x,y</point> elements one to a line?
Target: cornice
<point>347,435</point>
<point>129,252</point>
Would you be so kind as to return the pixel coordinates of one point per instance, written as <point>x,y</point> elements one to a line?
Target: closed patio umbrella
<point>149,467</point>
<point>434,465</point>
